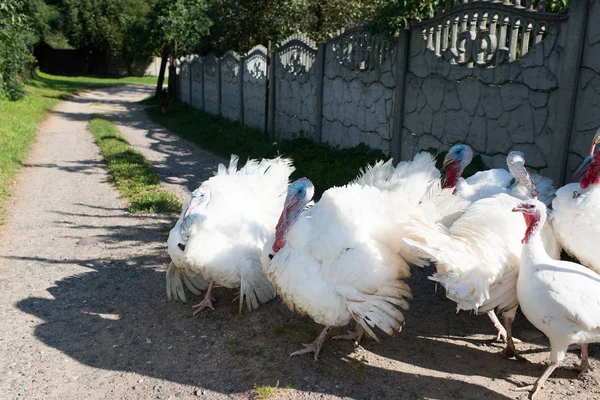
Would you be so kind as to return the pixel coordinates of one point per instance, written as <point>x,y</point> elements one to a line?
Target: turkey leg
<point>207,301</point>
<point>539,384</point>
<point>356,336</point>
<point>584,367</point>
<point>510,349</point>
<point>314,347</point>
<point>502,336</point>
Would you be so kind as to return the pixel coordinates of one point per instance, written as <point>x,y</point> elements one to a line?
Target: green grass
<point>323,165</point>
<point>19,120</point>
<point>265,391</point>
<point>72,84</point>
<point>129,170</point>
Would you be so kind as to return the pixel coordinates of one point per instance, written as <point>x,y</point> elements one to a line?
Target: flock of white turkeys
<point>494,244</point>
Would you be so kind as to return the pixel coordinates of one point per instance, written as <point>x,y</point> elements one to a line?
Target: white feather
<point>225,243</point>
<point>341,261</point>
<point>477,258</point>
<point>577,223</point>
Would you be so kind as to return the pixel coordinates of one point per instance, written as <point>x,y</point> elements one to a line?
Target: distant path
<point>181,165</point>
<point>83,310</point>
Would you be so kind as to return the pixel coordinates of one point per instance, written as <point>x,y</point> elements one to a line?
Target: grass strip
<point>130,172</point>
<point>20,120</point>
<point>324,165</point>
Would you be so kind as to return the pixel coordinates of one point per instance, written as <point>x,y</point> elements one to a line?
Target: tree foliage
<point>16,38</point>
<point>241,24</point>
<point>177,28</point>
<point>182,23</point>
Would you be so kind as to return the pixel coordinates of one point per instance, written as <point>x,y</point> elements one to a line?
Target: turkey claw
<point>309,348</point>
<point>207,302</point>
<point>532,389</point>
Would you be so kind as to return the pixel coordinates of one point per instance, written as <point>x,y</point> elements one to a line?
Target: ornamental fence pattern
<point>498,75</point>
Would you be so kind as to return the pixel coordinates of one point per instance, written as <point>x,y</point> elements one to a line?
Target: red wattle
<point>530,221</point>
<point>453,172</point>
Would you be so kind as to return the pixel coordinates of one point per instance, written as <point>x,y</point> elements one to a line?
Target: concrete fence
<point>499,76</point>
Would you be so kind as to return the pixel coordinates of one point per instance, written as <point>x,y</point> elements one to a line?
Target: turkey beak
<point>448,160</point>
<point>516,209</point>
<point>581,169</point>
<point>191,206</point>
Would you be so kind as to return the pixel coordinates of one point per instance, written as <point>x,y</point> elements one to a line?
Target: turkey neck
<point>523,180</point>
<point>453,172</point>
<point>533,248</point>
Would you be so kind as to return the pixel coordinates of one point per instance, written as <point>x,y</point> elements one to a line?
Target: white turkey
<point>575,216</point>
<point>480,185</point>
<point>477,257</point>
<point>492,181</point>
<point>560,298</point>
<point>338,261</point>
<point>221,234</point>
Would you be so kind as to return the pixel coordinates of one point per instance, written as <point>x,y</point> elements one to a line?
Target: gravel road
<point>84,315</point>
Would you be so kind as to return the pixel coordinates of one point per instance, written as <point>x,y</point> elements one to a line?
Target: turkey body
<point>560,298</point>
<point>232,215</point>
<point>341,259</point>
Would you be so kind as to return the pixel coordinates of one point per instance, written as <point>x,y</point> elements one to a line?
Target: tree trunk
<point>172,72</point>
<point>161,73</point>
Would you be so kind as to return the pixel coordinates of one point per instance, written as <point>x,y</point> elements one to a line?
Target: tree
<point>16,39</point>
<point>113,28</point>
<point>177,28</point>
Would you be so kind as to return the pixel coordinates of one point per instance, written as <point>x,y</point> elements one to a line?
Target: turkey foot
<point>585,366</point>
<point>502,336</point>
<point>356,336</point>
<point>314,347</point>
<point>510,351</point>
<point>207,301</point>
<point>539,384</point>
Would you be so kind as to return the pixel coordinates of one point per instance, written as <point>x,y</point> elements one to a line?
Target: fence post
<point>272,81</point>
<point>218,86</point>
<point>402,54</point>
<point>319,75</point>
<point>191,82</point>
<point>241,77</point>
<point>268,98</point>
<point>568,85</point>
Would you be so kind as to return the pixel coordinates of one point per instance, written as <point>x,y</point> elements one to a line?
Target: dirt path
<point>83,311</point>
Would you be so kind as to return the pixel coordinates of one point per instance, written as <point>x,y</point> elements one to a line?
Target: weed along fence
<point>497,75</point>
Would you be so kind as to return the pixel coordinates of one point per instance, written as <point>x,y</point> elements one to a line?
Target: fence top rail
<point>258,49</point>
<point>504,8</point>
<point>298,39</point>
<point>231,54</point>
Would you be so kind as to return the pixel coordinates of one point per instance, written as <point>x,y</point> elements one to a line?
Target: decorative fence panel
<point>231,86</point>
<point>358,89</point>
<point>497,75</point>
<point>184,82</point>
<point>586,119</point>
<point>212,84</point>
<point>254,86</point>
<point>295,88</point>
<point>197,84</point>
<point>485,73</point>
